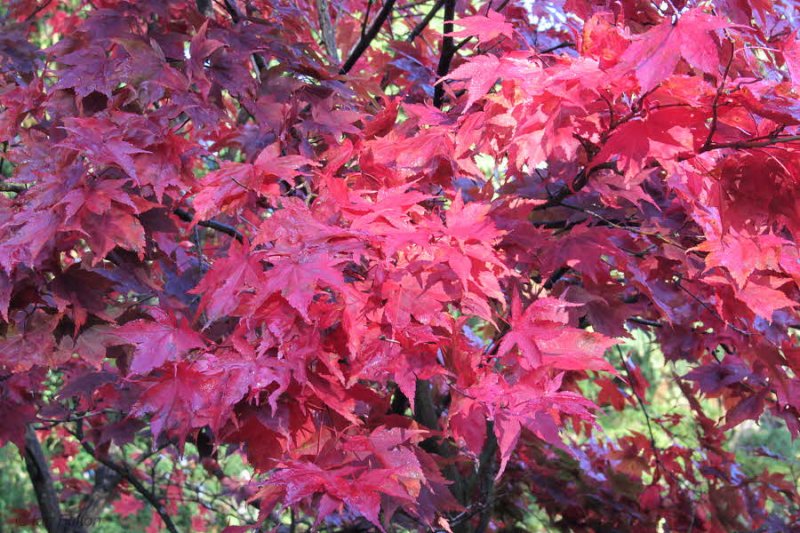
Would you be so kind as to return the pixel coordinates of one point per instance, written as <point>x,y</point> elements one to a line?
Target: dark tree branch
<point>399,402</point>
<point>424,410</point>
<point>739,145</point>
<point>645,322</point>
<point>125,472</point>
<point>366,18</point>
<point>39,472</point>
<point>36,11</point>
<point>205,7</point>
<point>236,15</point>
<point>711,310</point>
<point>558,224</point>
<point>660,467</point>
<point>555,276</point>
<point>466,40</point>
<point>641,403</point>
<point>211,224</point>
<point>105,481</point>
<point>425,414</point>
<point>630,226</point>
<point>233,10</point>
<point>421,25</point>
<point>411,5</point>
<point>565,44</point>
<point>326,28</point>
<point>578,183</point>
<point>13,187</point>
<point>447,52</point>
<point>462,43</point>
<point>368,37</point>
<point>486,474</point>
<point>569,224</point>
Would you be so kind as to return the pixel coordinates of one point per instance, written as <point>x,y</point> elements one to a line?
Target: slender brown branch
<point>411,5</point>
<point>368,37</point>
<point>640,401</point>
<point>738,145</point>
<point>645,322</point>
<point>715,104</point>
<point>656,450</point>
<point>126,474</point>
<point>565,44</point>
<point>486,474</point>
<point>211,224</point>
<point>631,227</point>
<point>565,225</point>
<point>711,310</point>
<point>43,488</point>
<point>145,456</point>
<point>578,183</point>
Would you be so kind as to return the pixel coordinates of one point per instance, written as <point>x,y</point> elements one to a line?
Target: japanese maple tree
<point>389,253</point>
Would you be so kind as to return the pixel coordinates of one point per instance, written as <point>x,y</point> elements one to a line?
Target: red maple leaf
<point>543,338</point>
<point>484,27</point>
<point>655,54</point>
<point>165,338</point>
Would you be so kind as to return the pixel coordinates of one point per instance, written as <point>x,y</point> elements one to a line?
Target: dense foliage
<point>396,257</point>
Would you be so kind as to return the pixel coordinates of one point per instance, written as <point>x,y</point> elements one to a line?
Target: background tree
<point>364,265</point>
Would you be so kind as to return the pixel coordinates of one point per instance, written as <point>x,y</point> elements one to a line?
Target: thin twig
<point>645,321</point>
<point>565,44</point>
<point>751,144</point>
<point>368,37</point>
<point>211,224</point>
<point>711,310</point>
<point>640,401</point>
<point>127,474</point>
<point>578,183</point>
<point>486,474</point>
<point>714,105</point>
<point>421,25</point>
<point>36,11</point>
<point>366,18</point>
<point>625,227</point>
<point>236,16</point>
<point>326,27</point>
<point>555,276</point>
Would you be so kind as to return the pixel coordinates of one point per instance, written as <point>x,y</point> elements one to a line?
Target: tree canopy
<point>394,258</point>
